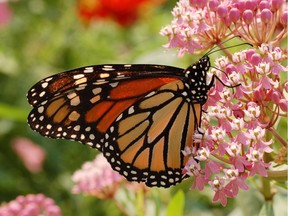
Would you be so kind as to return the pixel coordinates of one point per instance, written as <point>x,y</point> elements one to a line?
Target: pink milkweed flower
<point>257,163</point>
<point>97,178</point>
<point>31,154</point>
<point>234,150</point>
<point>221,192</point>
<point>30,205</point>
<point>192,168</point>
<point>236,180</point>
<point>257,138</point>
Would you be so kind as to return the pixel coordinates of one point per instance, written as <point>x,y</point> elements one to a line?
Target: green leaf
<point>267,209</point>
<point>176,204</point>
<point>12,113</point>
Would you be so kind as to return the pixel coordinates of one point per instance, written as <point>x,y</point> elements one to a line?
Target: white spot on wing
<point>96,91</point>
<point>114,84</point>
<point>44,85</point>
<point>71,95</point>
<point>77,128</point>
<point>78,76</point>
<point>40,109</point>
<point>42,94</point>
<point>92,136</point>
<point>88,70</point>
<point>104,75</point>
<point>108,68</point>
<point>95,99</point>
<point>131,110</point>
<point>75,101</point>
<point>81,80</point>
<point>48,79</point>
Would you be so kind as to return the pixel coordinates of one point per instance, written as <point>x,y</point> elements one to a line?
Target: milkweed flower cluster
<point>238,136</point>
<point>97,178</point>
<point>30,205</point>
<point>200,24</point>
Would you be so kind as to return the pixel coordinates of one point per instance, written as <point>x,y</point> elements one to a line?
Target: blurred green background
<point>44,37</point>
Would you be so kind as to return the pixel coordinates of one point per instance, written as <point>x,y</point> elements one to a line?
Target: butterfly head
<point>197,71</point>
<point>196,74</point>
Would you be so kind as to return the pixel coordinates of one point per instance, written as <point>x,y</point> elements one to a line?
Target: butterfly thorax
<point>196,74</point>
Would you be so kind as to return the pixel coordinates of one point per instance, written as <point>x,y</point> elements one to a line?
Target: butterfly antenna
<point>226,76</point>
<point>213,51</point>
<point>223,42</point>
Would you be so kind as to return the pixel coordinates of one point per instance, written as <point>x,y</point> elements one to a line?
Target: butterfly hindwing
<point>145,142</point>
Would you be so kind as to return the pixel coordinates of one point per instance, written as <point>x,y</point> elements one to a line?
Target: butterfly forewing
<point>81,104</point>
<point>98,74</point>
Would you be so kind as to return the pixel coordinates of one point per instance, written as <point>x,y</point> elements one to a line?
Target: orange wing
<point>145,142</point>
<point>140,116</point>
<point>78,111</point>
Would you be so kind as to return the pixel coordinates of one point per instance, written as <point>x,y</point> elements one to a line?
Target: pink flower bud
<point>266,15</point>
<point>234,14</point>
<point>240,5</point>
<point>222,11</point>
<point>256,59</point>
<point>198,3</point>
<point>230,68</point>
<point>264,5</point>
<point>251,4</point>
<point>284,18</point>
<point>259,94</point>
<point>249,54</point>
<point>248,16</point>
<point>275,97</point>
<point>283,103</point>
<point>238,113</point>
<point>286,86</point>
<point>213,4</point>
<point>276,4</point>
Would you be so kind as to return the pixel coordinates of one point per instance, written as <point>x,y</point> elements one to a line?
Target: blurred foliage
<point>45,37</point>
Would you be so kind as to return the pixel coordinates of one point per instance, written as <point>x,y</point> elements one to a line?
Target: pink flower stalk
<point>198,25</point>
<point>30,153</point>
<point>243,138</point>
<point>30,205</point>
<point>97,178</point>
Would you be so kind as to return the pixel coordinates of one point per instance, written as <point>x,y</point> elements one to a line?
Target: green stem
<point>266,189</point>
<point>280,175</point>
<point>278,137</point>
<point>221,158</point>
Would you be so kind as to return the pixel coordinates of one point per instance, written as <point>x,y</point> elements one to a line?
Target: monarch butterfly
<point>140,116</point>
